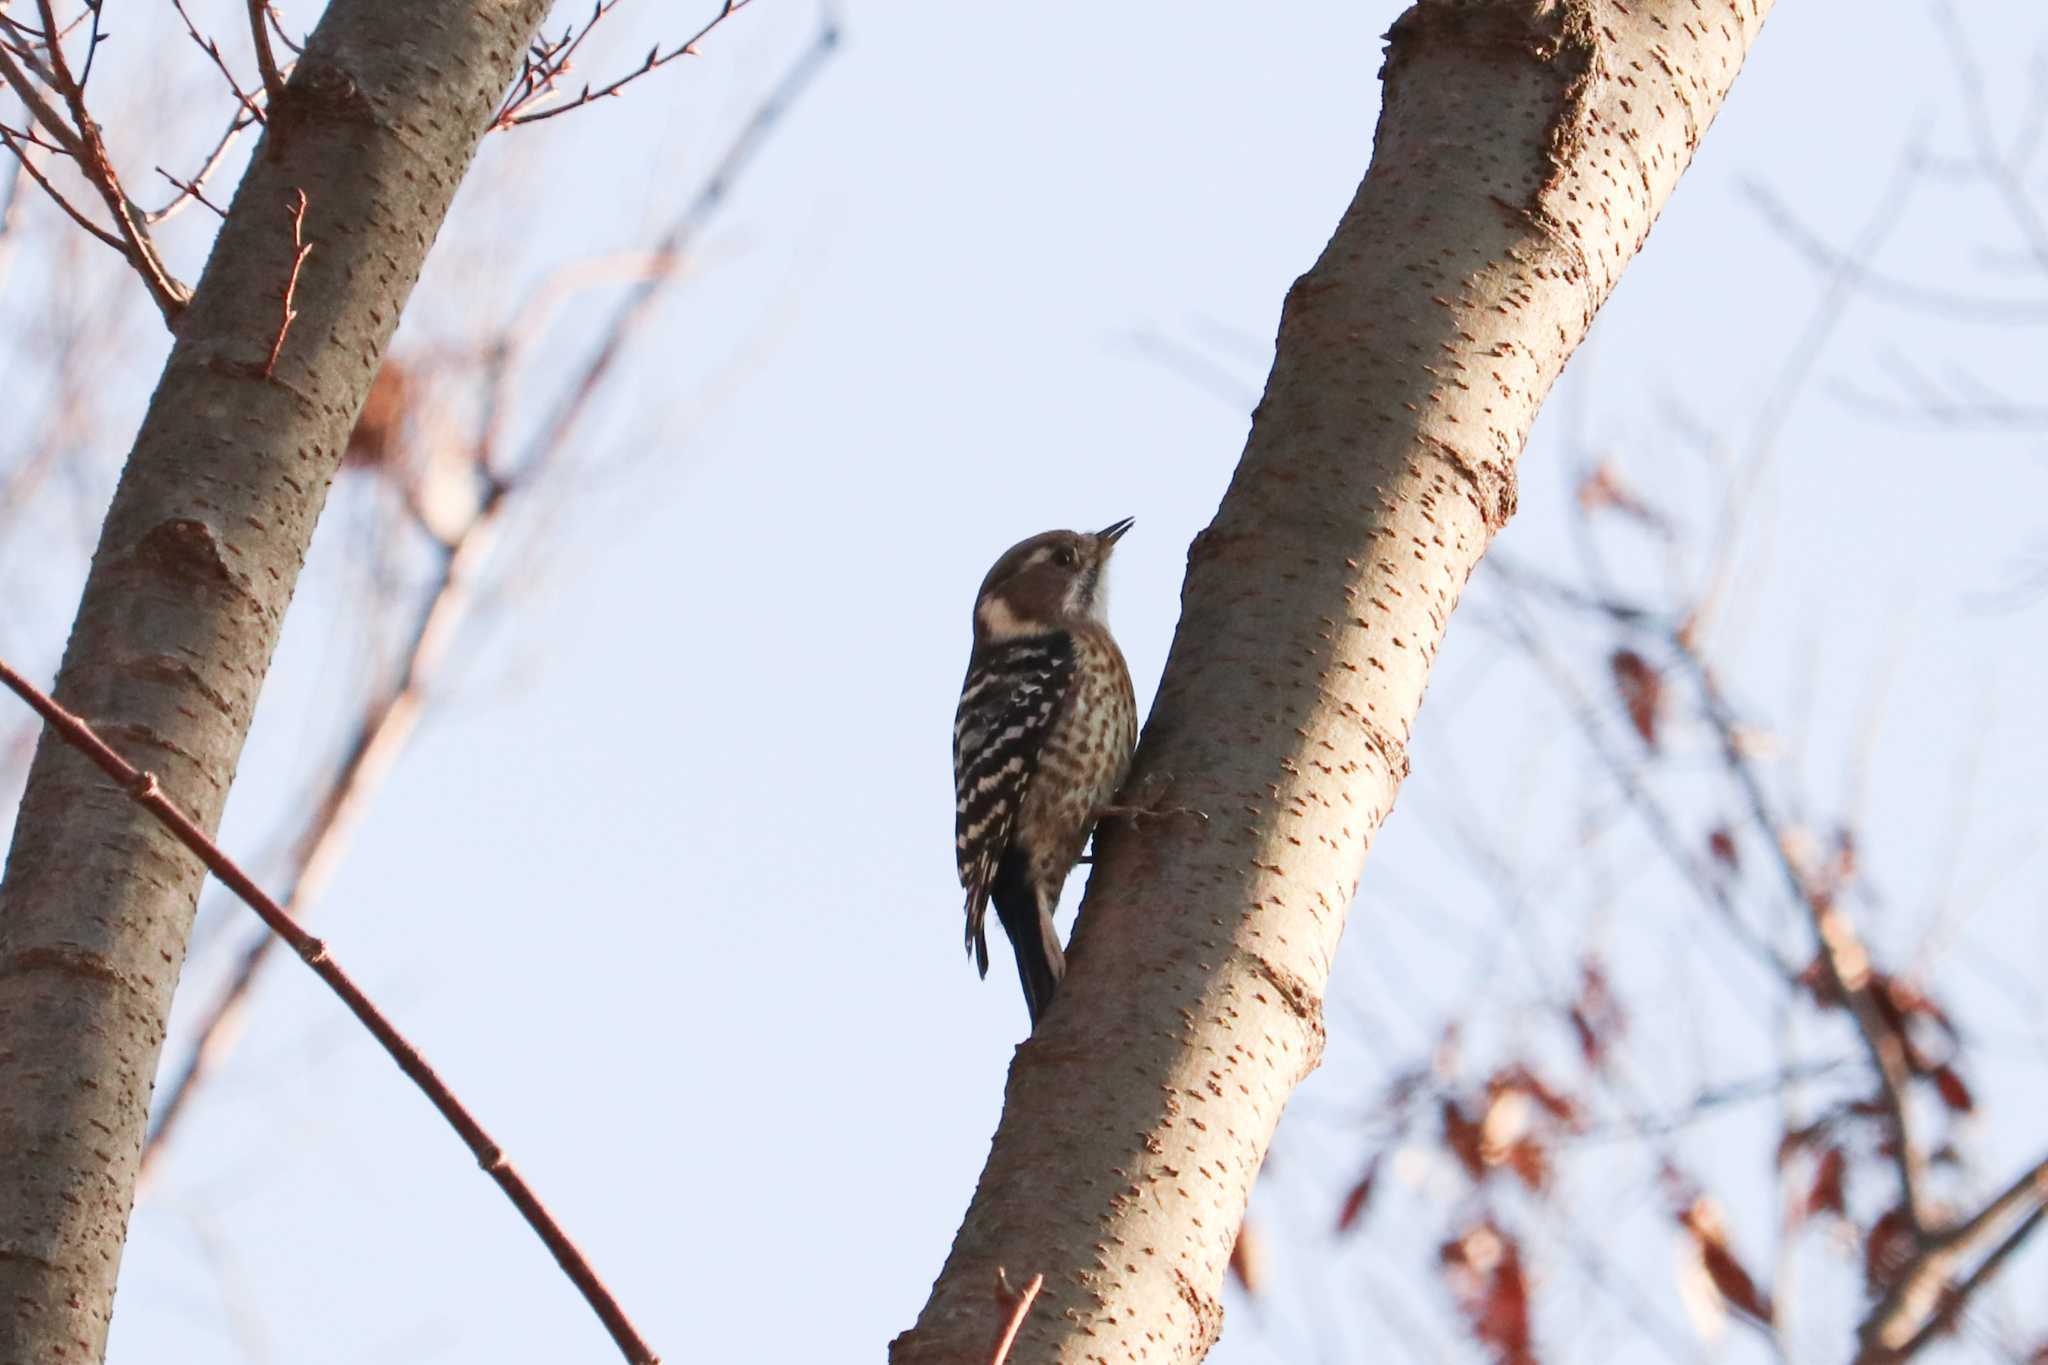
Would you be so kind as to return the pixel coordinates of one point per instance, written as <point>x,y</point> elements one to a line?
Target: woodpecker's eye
<point>1064,556</point>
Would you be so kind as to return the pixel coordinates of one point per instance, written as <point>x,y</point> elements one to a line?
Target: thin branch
<point>81,140</point>
<point>1018,1311</point>
<point>1786,390</point>
<point>40,109</point>
<point>1663,828</point>
<point>2011,187</point>
<point>1957,1299</point>
<point>236,126</point>
<point>145,790</point>
<point>1842,954</point>
<point>277,27</point>
<point>545,64</point>
<point>1923,1299</point>
<point>540,80</point>
<point>739,154</point>
<point>1707,1104</point>
<point>92,43</point>
<point>1890,289</point>
<point>1841,951</point>
<point>301,249</point>
<point>266,60</point>
<point>93,161</point>
<point>189,192</point>
<point>220,62</point>
<point>381,736</point>
<point>16,143</point>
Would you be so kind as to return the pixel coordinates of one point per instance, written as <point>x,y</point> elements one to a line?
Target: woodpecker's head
<point>1045,583</point>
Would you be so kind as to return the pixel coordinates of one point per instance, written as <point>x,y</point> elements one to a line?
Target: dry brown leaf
<point>1642,692</point>
<point>1826,1193</point>
<point>1483,1266</point>
<point>1954,1093</point>
<point>1462,1135</point>
<point>1702,1218</point>
<point>1356,1199</point>
<point>1248,1258</point>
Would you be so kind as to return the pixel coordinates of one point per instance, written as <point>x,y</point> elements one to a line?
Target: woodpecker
<point>1041,742</point>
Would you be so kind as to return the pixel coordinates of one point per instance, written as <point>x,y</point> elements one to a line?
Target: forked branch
<point>43,82</point>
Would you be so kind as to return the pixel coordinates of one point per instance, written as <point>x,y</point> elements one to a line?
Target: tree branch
<point>549,62</point>
<point>94,163</point>
<point>388,721</point>
<point>266,60</point>
<point>380,737</point>
<point>1410,363</point>
<point>180,614</point>
<point>1018,1311</point>
<point>1926,1296</point>
<point>148,793</point>
<point>1841,950</point>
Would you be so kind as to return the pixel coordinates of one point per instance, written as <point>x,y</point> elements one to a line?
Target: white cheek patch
<point>999,621</point>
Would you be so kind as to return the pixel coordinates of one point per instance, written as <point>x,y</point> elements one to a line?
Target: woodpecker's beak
<point>1112,533</point>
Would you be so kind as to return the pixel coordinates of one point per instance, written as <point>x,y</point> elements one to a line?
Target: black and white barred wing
<point>1011,697</point>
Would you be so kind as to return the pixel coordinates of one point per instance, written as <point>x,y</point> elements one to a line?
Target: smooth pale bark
<point>1524,149</point>
<point>188,588</point>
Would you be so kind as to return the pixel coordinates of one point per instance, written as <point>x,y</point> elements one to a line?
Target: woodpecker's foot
<point>1134,814</point>
<point>1148,807</point>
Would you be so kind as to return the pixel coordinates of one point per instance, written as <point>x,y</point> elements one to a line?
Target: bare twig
<point>1018,1310</point>
<point>145,790</point>
<point>1663,828</point>
<point>189,192</point>
<point>277,27</point>
<point>43,113</point>
<point>18,143</point>
<point>220,62</point>
<point>1891,289</point>
<point>301,248</point>
<point>1996,165</point>
<point>1789,387</point>
<point>1841,951</point>
<point>266,60</point>
<point>79,137</point>
<point>98,168</point>
<point>92,43</point>
<point>190,188</point>
<point>682,232</point>
<point>550,62</point>
<point>1842,954</point>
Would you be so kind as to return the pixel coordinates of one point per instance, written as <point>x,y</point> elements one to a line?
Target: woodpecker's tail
<point>1034,940</point>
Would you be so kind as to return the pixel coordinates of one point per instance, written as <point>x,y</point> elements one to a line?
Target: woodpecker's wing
<point>1012,695</point>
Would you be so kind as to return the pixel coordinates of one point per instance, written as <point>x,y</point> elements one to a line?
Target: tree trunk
<point>187,592</point>
<point>1524,148</point>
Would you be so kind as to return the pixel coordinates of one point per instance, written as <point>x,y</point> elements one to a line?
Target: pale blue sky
<point>664,888</point>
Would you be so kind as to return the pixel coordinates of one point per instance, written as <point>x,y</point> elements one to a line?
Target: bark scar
<point>1207,1308</point>
<point>188,553</point>
<point>319,92</point>
<point>174,672</point>
<point>1300,999</point>
<point>1495,488</point>
<point>68,961</point>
